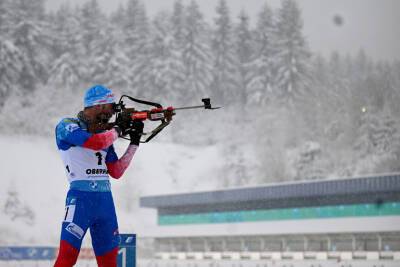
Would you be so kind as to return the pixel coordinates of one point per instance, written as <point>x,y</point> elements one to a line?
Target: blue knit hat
<point>98,95</point>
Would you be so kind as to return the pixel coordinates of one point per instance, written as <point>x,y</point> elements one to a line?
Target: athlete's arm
<point>101,140</point>
<point>116,167</point>
<point>70,132</point>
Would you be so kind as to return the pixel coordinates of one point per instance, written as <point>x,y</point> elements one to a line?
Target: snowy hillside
<point>33,185</point>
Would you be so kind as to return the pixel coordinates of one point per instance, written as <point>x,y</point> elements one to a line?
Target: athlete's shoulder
<point>66,126</point>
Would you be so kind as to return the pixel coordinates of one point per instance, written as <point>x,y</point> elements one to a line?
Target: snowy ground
<point>32,168</point>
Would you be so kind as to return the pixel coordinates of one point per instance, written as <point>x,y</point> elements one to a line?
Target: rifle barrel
<point>192,107</point>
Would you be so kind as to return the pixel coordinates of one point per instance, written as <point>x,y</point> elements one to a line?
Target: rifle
<point>126,116</point>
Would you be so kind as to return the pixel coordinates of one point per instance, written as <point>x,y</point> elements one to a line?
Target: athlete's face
<point>104,112</point>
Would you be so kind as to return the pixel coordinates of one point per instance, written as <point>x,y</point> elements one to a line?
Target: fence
<point>21,256</point>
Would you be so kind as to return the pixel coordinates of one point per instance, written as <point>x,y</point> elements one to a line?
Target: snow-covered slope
<point>33,185</point>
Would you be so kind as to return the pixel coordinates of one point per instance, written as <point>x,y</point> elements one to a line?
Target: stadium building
<point>347,222</point>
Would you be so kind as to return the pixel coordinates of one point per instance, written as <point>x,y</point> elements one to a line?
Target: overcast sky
<point>373,25</point>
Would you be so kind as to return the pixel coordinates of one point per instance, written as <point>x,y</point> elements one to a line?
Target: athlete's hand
<point>124,122</point>
<point>136,132</point>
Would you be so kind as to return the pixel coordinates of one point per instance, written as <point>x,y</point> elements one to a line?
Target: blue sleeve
<point>111,155</point>
<point>68,132</point>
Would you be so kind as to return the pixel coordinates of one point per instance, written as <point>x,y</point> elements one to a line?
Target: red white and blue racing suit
<point>89,159</point>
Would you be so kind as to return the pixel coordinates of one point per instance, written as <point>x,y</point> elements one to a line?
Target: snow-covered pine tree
<point>262,67</point>
<point>196,56</point>
<point>362,65</point>
<point>92,22</point>
<point>11,65</point>
<point>5,18</point>
<point>320,75</point>
<point>389,136</point>
<point>66,69</point>
<point>386,80</point>
<point>166,70</point>
<point>136,40</point>
<point>29,34</point>
<point>110,63</point>
<point>225,84</point>
<point>293,55</point>
<point>311,104</point>
<point>135,27</point>
<point>362,93</point>
<point>64,30</point>
<point>151,81</point>
<point>177,68</point>
<point>11,59</point>
<point>323,104</point>
<point>395,78</point>
<point>377,139</point>
<point>65,72</point>
<point>364,78</point>
<point>177,24</point>
<point>244,50</point>
<point>337,83</point>
<point>339,90</point>
<point>117,17</point>
<point>396,74</point>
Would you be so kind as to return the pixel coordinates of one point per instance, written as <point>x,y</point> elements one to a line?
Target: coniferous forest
<point>288,113</point>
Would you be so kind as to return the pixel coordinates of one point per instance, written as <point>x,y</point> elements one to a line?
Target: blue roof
<point>309,193</point>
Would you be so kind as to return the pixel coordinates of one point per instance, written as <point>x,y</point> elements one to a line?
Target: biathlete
<point>89,159</point>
